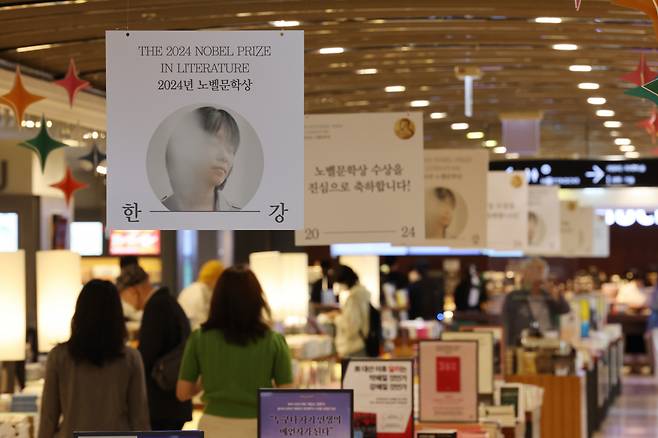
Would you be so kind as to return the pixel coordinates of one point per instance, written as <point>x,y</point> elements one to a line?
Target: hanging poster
<point>543,220</point>
<point>601,245</point>
<point>485,341</point>
<point>507,224</point>
<point>305,413</point>
<point>205,129</point>
<point>363,178</point>
<point>455,199</point>
<point>577,230</point>
<point>448,381</point>
<point>383,397</point>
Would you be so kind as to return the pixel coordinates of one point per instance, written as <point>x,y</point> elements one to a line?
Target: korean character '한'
<point>131,211</point>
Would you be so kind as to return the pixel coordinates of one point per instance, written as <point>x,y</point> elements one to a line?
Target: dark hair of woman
<point>444,194</point>
<point>98,331</point>
<point>345,275</point>
<point>219,122</point>
<point>238,307</point>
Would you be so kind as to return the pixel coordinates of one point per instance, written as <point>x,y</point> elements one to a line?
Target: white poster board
<point>363,178</point>
<point>543,220</point>
<point>577,230</point>
<point>485,342</point>
<point>601,245</point>
<point>507,224</point>
<point>205,129</point>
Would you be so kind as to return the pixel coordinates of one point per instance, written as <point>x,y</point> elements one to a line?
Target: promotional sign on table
<point>363,178</point>
<point>383,397</point>
<point>543,220</point>
<point>448,386</point>
<point>499,344</point>
<point>455,199</point>
<point>577,230</point>
<point>507,224</point>
<point>485,342</point>
<point>205,129</point>
<point>305,413</point>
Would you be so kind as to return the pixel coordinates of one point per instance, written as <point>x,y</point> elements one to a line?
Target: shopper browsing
<point>532,307</point>
<point>195,298</point>
<point>94,372</point>
<point>233,355</point>
<point>129,284</point>
<point>353,322</point>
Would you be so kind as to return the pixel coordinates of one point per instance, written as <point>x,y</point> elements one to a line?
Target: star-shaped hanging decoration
<point>578,2</point>
<point>651,125</point>
<point>95,156</point>
<point>71,82</point>
<point>69,185</point>
<point>19,98</point>
<point>641,75</point>
<point>647,91</point>
<point>43,144</point>
<point>649,7</point>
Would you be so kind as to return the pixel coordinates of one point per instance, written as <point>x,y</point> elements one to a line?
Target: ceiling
<point>412,43</point>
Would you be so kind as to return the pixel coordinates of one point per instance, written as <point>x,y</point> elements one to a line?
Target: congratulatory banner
<point>205,130</point>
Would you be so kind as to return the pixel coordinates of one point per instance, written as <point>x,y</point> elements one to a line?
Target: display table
<point>474,429</point>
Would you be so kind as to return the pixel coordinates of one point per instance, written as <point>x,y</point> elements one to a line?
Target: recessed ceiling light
<point>459,126</point>
<point>29,124</point>
<point>548,20</point>
<point>490,143</point>
<point>500,150</point>
<point>612,124</point>
<point>605,113</point>
<point>596,100</point>
<point>419,103</point>
<point>475,135</point>
<point>632,155</point>
<point>589,86</point>
<point>512,156</point>
<point>622,141</point>
<point>627,148</point>
<point>436,116</point>
<point>565,47</point>
<point>395,88</point>
<point>101,169</point>
<point>285,23</point>
<point>71,142</point>
<point>331,50</point>
<point>615,133</point>
<point>580,68</point>
<point>367,71</point>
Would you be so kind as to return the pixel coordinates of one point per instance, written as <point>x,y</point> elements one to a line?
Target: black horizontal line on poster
<point>360,232</point>
<point>201,211</point>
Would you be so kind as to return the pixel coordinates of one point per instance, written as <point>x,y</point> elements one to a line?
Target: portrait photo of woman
<point>440,206</point>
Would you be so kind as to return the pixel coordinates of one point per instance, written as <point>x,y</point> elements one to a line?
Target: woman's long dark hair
<point>238,307</point>
<point>98,331</point>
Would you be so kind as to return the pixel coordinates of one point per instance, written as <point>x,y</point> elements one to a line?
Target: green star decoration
<point>43,144</point>
<point>647,91</point>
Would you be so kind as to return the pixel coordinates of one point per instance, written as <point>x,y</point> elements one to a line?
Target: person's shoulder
<point>517,295</point>
<point>132,357</point>
<point>275,338</point>
<point>59,353</point>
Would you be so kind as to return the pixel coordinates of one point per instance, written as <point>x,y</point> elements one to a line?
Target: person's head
<point>202,148</point>
<point>98,331</point>
<point>127,261</point>
<point>210,272</point>
<point>533,222</point>
<point>326,266</point>
<point>535,273</point>
<point>134,282</point>
<point>238,307</point>
<point>346,277</point>
<point>440,203</point>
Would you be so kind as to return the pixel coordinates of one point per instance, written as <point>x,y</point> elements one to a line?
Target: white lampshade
<point>284,278</point>
<point>367,268</point>
<point>12,306</point>
<point>58,285</point>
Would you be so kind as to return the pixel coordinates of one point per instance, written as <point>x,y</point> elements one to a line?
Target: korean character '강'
<point>203,85</point>
<point>214,85</point>
<point>189,84</point>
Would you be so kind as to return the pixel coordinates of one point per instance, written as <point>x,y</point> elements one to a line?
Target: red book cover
<point>448,378</point>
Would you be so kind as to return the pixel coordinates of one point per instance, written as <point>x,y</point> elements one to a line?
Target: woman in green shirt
<point>233,355</point>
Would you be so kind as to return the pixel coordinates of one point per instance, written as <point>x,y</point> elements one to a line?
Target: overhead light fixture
<point>548,20</point>
<point>589,86</point>
<point>459,126</point>
<point>395,88</point>
<point>331,50</point>
<point>101,169</point>
<point>500,150</point>
<point>632,155</point>
<point>49,124</point>
<point>512,156</point>
<point>490,143</point>
<point>622,141</point>
<point>367,71</point>
<point>614,124</point>
<point>580,68</point>
<point>33,48</point>
<point>605,113</point>
<point>627,148</point>
<point>615,133</point>
<point>29,124</point>
<point>285,23</point>
<point>419,103</point>
<point>596,100</point>
<point>475,135</point>
<point>565,47</point>
<point>437,116</point>
<point>71,142</point>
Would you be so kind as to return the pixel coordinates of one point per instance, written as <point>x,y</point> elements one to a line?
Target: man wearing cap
<point>195,298</point>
